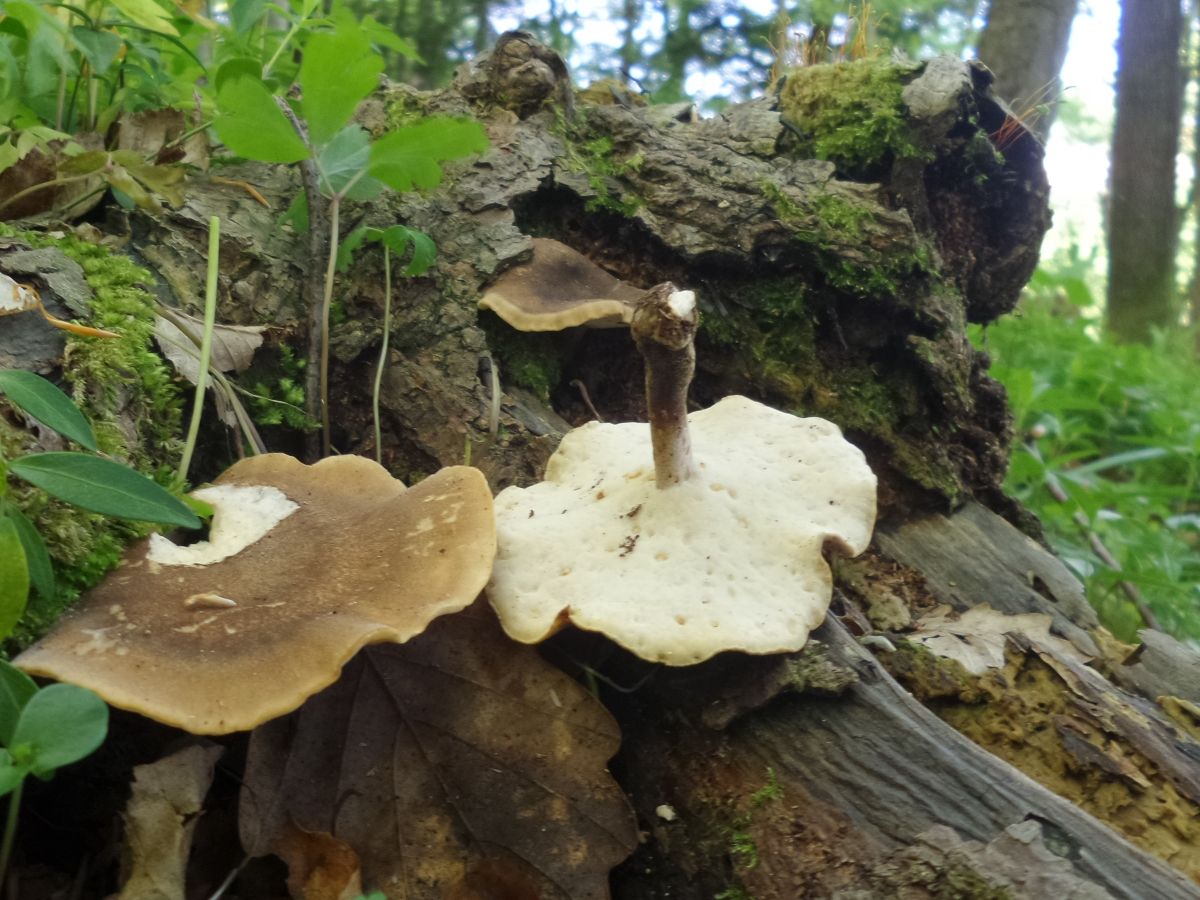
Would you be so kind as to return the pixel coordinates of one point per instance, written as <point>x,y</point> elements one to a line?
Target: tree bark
<point>1142,225</point>
<point>1024,43</point>
<point>845,770</point>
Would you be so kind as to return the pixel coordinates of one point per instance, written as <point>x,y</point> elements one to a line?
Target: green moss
<point>770,330</point>
<point>837,229</point>
<point>277,389</point>
<point>596,158</point>
<point>850,113</point>
<point>771,792</point>
<point>742,849</point>
<point>532,360</point>
<point>129,395</point>
<point>403,105</point>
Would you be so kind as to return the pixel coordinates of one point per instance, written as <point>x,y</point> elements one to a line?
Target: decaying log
<point>826,289</point>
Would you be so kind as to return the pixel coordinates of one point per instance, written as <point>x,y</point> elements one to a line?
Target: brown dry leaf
<point>429,759</point>
<point>233,346</point>
<point>320,867</point>
<point>166,798</point>
<point>977,637</point>
<point>224,634</point>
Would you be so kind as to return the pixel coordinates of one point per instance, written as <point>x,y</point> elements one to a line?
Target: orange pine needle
<point>81,330</point>
<point>245,186</point>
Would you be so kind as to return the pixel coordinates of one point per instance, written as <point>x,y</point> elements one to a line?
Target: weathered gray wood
<point>973,556</point>
<point>859,777</point>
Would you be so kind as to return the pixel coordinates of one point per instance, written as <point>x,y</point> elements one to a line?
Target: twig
<point>587,400</point>
<point>318,228</point>
<point>494,408</point>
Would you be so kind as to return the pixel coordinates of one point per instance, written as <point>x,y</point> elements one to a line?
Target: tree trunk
<point>1142,227</point>
<point>867,765</point>
<point>1024,43</point>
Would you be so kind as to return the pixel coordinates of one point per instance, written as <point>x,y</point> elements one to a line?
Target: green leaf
<point>101,485</point>
<point>238,67</point>
<point>118,177</point>
<point>253,126</point>
<point>148,14</point>
<point>47,404</point>
<point>296,214</point>
<point>424,251</point>
<point>10,774</point>
<point>16,689</point>
<point>383,36</point>
<point>348,245</point>
<point>338,71</point>
<point>41,570</point>
<point>411,156</point>
<point>8,154</point>
<point>343,159</point>
<point>84,163</point>
<point>14,577</point>
<point>62,724</point>
<point>245,14</point>
<point>100,48</point>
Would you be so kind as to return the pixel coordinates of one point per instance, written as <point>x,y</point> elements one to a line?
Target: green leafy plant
<point>41,730</point>
<point>87,480</point>
<point>1107,451</point>
<point>340,68</point>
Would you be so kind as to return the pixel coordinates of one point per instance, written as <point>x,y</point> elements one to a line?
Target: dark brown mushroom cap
<point>559,288</point>
<point>224,647</point>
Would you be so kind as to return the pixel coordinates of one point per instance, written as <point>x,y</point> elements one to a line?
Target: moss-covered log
<point>840,233</point>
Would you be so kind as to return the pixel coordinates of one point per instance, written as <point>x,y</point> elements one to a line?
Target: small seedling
<point>397,240</point>
<point>42,730</point>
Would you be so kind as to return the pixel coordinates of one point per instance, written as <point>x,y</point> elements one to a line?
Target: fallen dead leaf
<point>976,638</point>
<point>233,346</point>
<point>166,798</point>
<point>434,759</point>
<point>320,867</point>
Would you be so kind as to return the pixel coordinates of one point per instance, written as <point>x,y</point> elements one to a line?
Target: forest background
<point>1101,360</point>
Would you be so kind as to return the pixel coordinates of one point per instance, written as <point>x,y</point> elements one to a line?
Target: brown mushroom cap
<point>559,288</point>
<point>224,647</point>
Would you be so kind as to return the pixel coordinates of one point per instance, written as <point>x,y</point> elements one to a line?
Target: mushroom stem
<point>664,328</point>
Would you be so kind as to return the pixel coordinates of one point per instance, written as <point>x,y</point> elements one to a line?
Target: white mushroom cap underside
<point>728,560</point>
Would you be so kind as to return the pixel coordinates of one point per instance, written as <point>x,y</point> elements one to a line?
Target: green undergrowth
<point>135,407</point>
<point>1118,428</point>
<point>850,113</point>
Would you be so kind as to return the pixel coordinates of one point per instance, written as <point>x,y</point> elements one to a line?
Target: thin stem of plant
<point>56,182</point>
<point>313,289</point>
<point>383,352</point>
<point>210,319</point>
<point>335,205</point>
<point>10,829</point>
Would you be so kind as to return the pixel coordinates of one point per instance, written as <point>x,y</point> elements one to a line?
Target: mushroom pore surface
<point>729,559</point>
